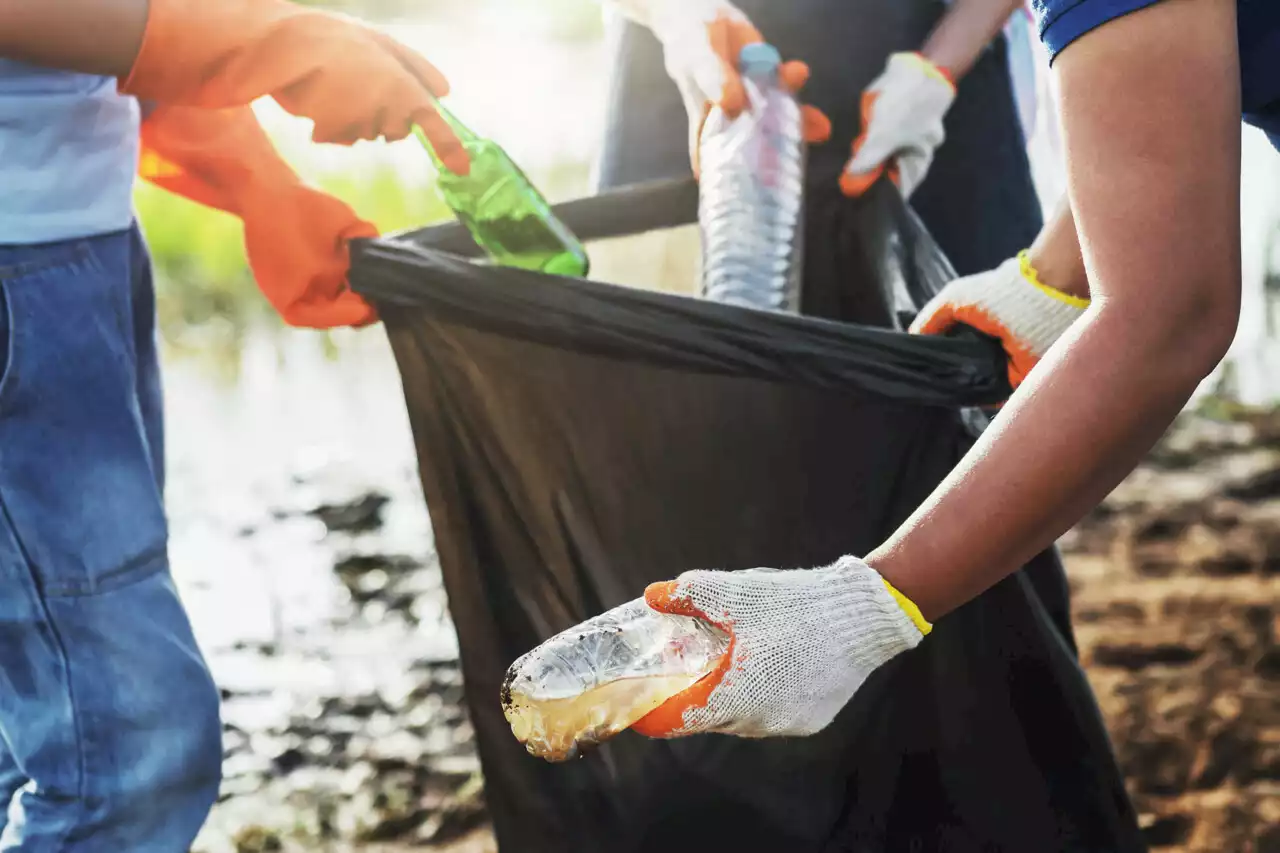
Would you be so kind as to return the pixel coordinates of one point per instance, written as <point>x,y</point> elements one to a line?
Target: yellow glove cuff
<point>909,607</point>
<point>930,69</point>
<point>1032,278</point>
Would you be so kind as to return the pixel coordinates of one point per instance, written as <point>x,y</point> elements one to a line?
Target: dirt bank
<point>1176,581</point>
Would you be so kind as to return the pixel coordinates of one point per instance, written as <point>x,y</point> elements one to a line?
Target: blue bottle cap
<point>759,59</point>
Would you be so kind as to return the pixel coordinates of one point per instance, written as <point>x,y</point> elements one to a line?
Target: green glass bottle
<point>507,217</point>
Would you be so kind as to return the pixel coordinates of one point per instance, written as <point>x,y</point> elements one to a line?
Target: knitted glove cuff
<point>877,621</point>
<point>1037,314</point>
<point>928,66</point>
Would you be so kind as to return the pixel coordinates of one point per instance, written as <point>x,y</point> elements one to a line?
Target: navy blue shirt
<point>1063,21</point>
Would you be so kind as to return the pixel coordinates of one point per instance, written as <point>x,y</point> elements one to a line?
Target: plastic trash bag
<point>579,440</point>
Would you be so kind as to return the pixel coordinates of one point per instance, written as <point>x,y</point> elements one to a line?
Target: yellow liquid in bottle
<point>558,729</point>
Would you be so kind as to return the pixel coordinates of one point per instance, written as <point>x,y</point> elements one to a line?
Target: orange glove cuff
<point>196,53</point>
<point>940,71</point>
<point>296,237</point>
<point>351,80</point>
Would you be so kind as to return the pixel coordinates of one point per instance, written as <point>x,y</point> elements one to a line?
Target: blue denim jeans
<point>109,728</point>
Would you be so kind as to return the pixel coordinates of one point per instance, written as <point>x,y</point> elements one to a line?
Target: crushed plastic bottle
<point>751,192</point>
<point>587,684</point>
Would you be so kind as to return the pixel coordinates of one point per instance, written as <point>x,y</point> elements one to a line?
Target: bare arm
<point>91,36</point>
<point>1151,114</point>
<point>967,27</point>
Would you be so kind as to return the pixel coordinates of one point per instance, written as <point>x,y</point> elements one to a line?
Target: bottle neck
<point>764,75</point>
<point>465,134</point>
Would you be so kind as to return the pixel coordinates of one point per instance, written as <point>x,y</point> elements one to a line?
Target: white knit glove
<point>803,642</point>
<point>701,40</point>
<point>684,27</point>
<point>902,114</point>
<point>1009,303</point>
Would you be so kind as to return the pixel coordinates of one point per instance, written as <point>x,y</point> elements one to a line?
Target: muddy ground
<point>1176,580</point>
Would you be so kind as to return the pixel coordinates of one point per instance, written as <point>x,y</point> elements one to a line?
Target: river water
<point>302,547</point>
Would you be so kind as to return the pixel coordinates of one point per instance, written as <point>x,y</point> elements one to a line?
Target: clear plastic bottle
<point>751,192</point>
<point>587,684</point>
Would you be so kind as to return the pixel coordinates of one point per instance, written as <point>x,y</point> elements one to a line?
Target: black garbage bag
<point>579,440</point>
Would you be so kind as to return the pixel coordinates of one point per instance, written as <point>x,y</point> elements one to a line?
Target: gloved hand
<point>1009,303</point>
<point>351,80</point>
<point>803,642</point>
<point>701,40</point>
<point>902,114</point>
<point>296,237</point>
